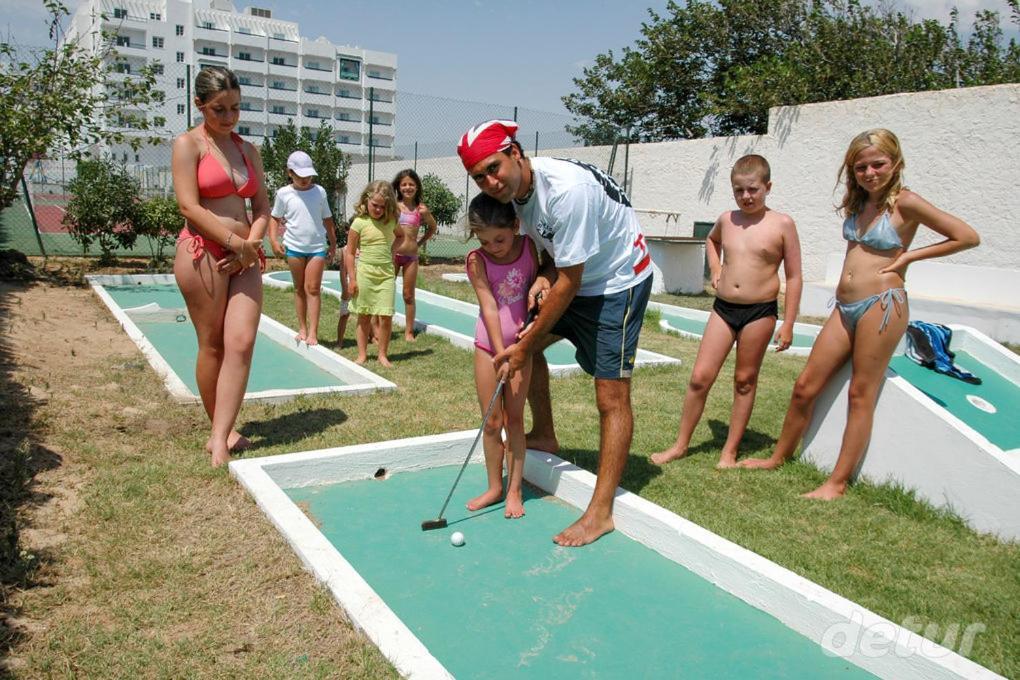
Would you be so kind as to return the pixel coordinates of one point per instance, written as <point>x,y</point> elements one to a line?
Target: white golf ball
<point>457,538</point>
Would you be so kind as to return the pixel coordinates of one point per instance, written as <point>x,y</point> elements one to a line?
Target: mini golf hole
<point>381,473</point>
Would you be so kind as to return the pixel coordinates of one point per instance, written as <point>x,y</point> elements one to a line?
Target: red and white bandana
<point>485,139</point>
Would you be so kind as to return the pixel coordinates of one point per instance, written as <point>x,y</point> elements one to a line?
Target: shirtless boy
<point>745,248</point>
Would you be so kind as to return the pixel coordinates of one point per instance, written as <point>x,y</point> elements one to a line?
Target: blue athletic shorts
<point>605,330</point>
<point>320,253</point>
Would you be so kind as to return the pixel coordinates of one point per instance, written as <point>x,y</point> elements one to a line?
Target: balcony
<point>280,38</point>
<point>284,94</point>
<point>239,39</point>
<point>381,107</point>
<point>248,65</point>
<point>347,125</point>
<point>282,69</point>
<point>317,98</point>
<point>317,114</point>
<point>219,36</point>
<point>275,118</point>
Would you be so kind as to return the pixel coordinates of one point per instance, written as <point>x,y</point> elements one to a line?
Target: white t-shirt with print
<point>578,214</point>
<point>302,213</point>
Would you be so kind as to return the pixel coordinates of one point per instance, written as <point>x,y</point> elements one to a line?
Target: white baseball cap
<point>300,164</point>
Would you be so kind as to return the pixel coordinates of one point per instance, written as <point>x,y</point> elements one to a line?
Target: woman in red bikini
<point>214,171</point>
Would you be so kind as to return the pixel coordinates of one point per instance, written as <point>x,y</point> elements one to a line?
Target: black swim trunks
<point>737,315</point>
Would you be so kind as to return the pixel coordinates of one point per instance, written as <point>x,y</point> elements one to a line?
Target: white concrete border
<point>456,277</point>
<point>702,316</point>
<point>359,379</point>
<point>644,357</point>
<point>800,604</point>
<point>921,445</point>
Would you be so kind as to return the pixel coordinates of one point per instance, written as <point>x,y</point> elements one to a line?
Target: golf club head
<point>431,524</point>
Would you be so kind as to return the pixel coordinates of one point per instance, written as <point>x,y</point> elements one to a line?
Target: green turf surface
<point>510,603</point>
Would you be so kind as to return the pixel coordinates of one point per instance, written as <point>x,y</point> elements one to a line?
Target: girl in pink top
<point>501,271</point>
<point>413,214</point>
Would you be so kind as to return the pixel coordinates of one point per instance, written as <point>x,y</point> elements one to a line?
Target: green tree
<point>62,97</point>
<point>443,203</point>
<point>329,160</point>
<point>103,207</point>
<point>715,68</point>
<point>159,220</point>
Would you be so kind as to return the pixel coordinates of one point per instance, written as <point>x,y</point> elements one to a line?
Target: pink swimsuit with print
<point>509,284</point>
<point>409,218</point>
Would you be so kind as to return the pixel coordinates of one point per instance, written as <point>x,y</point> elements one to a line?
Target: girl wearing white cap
<point>309,240</point>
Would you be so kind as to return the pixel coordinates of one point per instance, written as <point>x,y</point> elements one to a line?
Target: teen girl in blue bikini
<point>871,312</point>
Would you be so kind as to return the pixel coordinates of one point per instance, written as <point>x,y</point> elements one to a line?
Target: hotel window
<point>180,57</point>
<point>244,56</point>
<point>279,61</point>
<point>180,109</point>
<point>119,13</point>
<point>179,30</point>
<point>157,69</point>
<point>157,42</point>
<point>180,83</point>
<point>155,16</point>
<point>350,69</point>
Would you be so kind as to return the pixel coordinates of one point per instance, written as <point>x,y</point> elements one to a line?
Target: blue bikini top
<point>882,236</point>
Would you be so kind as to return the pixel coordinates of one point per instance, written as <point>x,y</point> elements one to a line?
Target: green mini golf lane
<point>274,366</point>
<point>697,327</point>
<point>560,354</point>
<point>510,603</point>
<point>1000,428</point>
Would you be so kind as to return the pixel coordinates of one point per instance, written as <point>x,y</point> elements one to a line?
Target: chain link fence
<point>421,133</point>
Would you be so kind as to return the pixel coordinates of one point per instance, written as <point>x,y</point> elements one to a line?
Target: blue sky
<point>521,53</point>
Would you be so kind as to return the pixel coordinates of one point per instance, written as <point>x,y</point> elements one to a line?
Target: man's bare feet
<point>485,500</point>
<point>670,454</point>
<point>760,463</point>
<point>300,337</point>
<point>312,340</point>
<point>385,362</point>
<point>540,442</point>
<point>587,529</point>
<point>514,505</point>
<point>826,492</point>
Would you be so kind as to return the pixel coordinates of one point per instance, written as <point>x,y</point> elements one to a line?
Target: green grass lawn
<point>173,571</point>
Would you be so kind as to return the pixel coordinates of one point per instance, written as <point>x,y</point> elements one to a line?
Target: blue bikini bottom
<point>851,312</point>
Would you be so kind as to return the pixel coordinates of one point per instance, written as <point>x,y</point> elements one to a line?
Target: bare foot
<point>235,442</point>
<point>670,454</point>
<point>514,505</point>
<point>300,337</point>
<point>587,529</point>
<point>760,463</point>
<point>409,337</point>
<point>385,362</point>
<point>312,340</point>
<point>361,359</point>
<point>826,492</point>
<point>727,461</point>
<point>220,454</point>
<point>542,442</point>
<point>485,500</point>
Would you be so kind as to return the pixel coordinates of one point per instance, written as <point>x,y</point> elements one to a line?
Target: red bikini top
<point>213,180</point>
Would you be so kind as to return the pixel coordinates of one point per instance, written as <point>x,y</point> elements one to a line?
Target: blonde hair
<point>752,164</point>
<point>855,197</point>
<point>378,188</point>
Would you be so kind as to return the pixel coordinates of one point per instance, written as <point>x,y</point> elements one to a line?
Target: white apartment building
<point>283,75</point>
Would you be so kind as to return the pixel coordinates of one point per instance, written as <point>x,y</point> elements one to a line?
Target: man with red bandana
<point>592,289</point>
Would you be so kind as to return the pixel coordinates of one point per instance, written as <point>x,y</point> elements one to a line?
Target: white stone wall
<point>962,152</point>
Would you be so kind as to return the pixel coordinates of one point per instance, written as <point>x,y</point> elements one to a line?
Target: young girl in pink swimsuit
<point>501,271</point>
<point>407,187</point>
